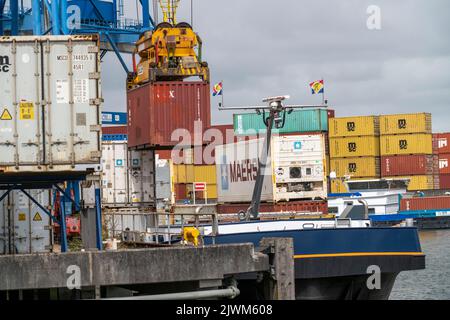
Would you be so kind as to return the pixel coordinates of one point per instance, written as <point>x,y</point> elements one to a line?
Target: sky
<point>262,48</point>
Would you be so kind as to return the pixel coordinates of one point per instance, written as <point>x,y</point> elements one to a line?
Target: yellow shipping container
<point>354,126</point>
<point>188,173</point>
<point>338,185</point>
<point>354,147</point>
<point>418,183</point>
<point>405,123</point>
<point>356,167</point>
<point>205,174</point>
<point>406,144</point>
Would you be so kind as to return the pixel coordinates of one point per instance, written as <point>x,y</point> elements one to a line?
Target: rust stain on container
<point>156,110</point>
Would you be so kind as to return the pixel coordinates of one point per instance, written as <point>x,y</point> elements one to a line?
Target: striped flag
<point>317,87</point>
<point>217,89</point>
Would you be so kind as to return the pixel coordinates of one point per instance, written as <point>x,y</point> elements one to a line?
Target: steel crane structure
<point>64,17</point>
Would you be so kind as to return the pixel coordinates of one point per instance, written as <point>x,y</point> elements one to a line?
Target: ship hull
<point>335,264</point>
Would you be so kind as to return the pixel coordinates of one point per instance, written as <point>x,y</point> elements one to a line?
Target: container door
<point>30,224</point>
<point>4,229</point>
<point>20,97</point>
<point>148,176</point>
<point>120,170</point>
<point>135,177</point>
<point>163,183</point>
<point>73,98</point>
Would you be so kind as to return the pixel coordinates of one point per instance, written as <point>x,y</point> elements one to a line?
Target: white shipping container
<point>24,227</point>
<point>127,176</point>
<point>295,169</point>
<point>50,103</point>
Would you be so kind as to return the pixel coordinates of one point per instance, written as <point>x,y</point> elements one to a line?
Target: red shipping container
<point>444,163</point>
<point>408,165</point>
<point>115,130</point>
<point>425,203</point>
<point>444,181</point>
<point>443,142</point>
<point>320,207</point>
<point>156,110</point>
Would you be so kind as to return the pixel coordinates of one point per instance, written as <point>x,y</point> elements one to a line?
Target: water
<point>434,281</point>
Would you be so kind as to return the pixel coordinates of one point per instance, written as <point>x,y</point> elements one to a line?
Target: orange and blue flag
<point>317,86</point>
<point>217,89</point>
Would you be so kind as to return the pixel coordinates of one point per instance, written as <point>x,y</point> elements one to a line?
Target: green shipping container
<point>307,120</point>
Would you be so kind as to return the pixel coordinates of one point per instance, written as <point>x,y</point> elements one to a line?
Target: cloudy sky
<point>261,48</point>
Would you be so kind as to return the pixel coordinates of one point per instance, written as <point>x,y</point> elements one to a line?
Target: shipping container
<point>408,165</point>
<point>127,177</point>
<point>319,207</point>
<point>295,169</point>
<point>442,142</point>
<point>424,203</point>
<point>50,117</point>
<point>444,163</point>
<point>403,144</point>
<point>338,185</point>
<point>193,173</point>
<point>354,126</point>
<point>423,182</point>
<point>405,123</point>
<point>164,114</point>
<point>368,146</point>
<point>306,120</point>
<point>25,227</point>
<point>444,181</point>
<point>115,130</point>
<point>356,167</point>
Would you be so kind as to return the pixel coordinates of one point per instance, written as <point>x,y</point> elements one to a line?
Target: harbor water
<point>433,283</point>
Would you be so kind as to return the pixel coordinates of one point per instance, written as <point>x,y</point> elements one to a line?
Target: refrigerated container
<point>402,144</point>
<point>368,146</point>
<point>354,126</point>
<point>157,110</point>
<point>25,227</point>
<point>405,123</point>
<point>50,98</point>
<point>128,176</point>
<point>356,167</point>
<point>295,169</point>
<point>306,120</point>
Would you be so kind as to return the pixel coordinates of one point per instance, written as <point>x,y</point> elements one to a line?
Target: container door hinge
<point>95,128</point>
<point>94,75</point>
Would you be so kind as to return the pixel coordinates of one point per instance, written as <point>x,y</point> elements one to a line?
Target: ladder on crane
<point>169,10</point>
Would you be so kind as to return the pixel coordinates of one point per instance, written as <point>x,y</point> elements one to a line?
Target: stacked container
<point>354,150</point>
<point>442,145</point>
<point>406,145</point>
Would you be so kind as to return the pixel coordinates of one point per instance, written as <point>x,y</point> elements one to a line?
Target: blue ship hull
<point>333,263</point>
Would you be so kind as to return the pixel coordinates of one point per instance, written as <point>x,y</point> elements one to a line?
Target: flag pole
<point>221,81</point>
<point>323,92</point>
